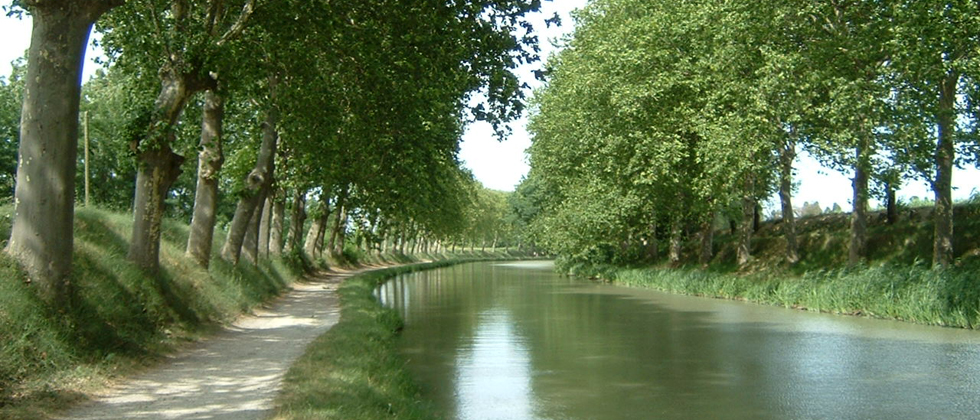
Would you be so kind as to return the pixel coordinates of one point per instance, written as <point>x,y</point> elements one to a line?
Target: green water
<point>515,341</point>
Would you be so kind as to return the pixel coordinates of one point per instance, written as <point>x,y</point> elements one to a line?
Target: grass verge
<point>917,293</point>
<point>897,283</point>
<point>354,370</point>
<point>120,319</point>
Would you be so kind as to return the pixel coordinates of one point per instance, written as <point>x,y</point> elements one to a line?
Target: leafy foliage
<point>659,117</point>
<point>11,93</point>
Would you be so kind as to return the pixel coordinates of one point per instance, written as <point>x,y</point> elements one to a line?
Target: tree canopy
<point>356,106</point>
<point>661,118</point>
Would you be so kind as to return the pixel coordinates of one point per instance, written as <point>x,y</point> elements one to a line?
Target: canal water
<point>516,341</point>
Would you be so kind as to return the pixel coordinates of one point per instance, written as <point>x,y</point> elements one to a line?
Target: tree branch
<point>239,25</point>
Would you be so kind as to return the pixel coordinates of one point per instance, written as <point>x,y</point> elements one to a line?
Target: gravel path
<point>234,375</point>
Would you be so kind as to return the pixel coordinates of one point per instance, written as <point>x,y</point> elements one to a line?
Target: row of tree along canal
<point>346,114</point>
<point>661,118</point>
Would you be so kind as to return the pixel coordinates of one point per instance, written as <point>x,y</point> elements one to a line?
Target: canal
<point>516,341</point>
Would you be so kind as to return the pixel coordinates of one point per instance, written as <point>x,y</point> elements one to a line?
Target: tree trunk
<point>209,164</point>
<point>321,235</point>
<point>259,179</point>
<point>342,233</point>
<point>676,240</point>
<point>748,223</point>
<point>265,225</point>
<point>891,208</point>
<point>653,245</point>
<point>858,250</point>
<point>402,238</point>
<point>250,246</point>
<point>309,246</point>
<point>41,238</point>
<point>158,166</point>
<point>787,153</point>
<point>278,221</point>
<point>942,253</point>
<point>707,240</point>
<point>336,240</point>
<point>745,231</point>
<point>297,219</point>
<point>318,231</point>
<point>331,242</point>
<point>158,171</point>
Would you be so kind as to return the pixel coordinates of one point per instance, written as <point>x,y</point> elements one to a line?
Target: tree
<point>42,235</point>
<point>11,97</point>
<point>210,160</point>
<point>257,186</point>
<point>933,64</point>
<point>179,42</point>
<point>845,59</point>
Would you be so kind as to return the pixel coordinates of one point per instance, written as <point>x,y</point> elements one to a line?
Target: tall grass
<point>896,284</point>
<point>916,293</point>
<point>119,318</point>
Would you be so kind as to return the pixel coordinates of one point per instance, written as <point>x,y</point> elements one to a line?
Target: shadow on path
<point>234,375</point>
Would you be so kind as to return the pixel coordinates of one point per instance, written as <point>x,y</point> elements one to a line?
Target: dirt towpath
<point>234,375</point>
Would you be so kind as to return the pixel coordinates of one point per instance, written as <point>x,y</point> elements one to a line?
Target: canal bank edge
<point>354,371</point>
<point>917,294</point>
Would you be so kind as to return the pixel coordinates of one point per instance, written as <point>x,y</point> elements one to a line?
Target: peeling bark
<point>158,171</point>
<point>41,238</point>
<point>259,180</point>
<point>210,160</point>
<point>158,167</point>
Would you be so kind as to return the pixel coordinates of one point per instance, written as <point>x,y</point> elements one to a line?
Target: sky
<point>501,165</point>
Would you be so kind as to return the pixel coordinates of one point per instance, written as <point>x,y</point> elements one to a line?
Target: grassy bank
<point>897,283</point>
<point>915,294</point>
<point>354,371</point>
<point>120,319</point>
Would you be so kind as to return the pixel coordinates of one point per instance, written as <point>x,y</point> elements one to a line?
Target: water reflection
<point>487,337</point>
<point>493,375</point>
